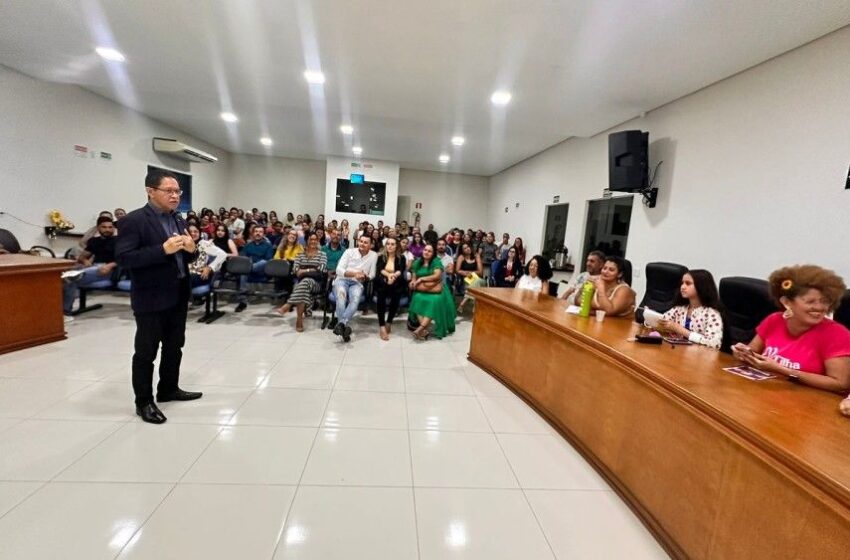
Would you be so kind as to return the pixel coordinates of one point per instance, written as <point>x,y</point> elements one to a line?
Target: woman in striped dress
<point>309,269</point>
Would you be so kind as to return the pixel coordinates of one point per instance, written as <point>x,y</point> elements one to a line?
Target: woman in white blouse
<point>695,315</point>
<point>536,278</point>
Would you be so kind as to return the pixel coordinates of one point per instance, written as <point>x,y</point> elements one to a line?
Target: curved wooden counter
<point>717,466</point>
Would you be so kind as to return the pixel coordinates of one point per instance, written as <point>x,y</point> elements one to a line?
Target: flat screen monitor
<point>364,198</point>
<point>185,182</point>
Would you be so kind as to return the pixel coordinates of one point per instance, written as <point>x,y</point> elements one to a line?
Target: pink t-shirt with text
<point>807,352</point>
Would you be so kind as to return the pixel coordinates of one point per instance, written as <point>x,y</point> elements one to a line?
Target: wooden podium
<point>30,301</point>
<point>715,465</point>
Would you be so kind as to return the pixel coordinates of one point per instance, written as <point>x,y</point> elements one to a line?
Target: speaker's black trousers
<point>166,328</point>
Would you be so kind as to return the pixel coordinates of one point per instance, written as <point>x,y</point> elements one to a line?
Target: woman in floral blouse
<point>695,315</point>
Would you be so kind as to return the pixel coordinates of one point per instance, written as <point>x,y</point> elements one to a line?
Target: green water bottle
<point>586,298</point>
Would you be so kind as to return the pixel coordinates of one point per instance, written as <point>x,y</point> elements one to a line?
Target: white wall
<point>381,171</point>
<point>448,199</point>
<point>276,183</point>
<point>40,124</point>
<point>753,174</point>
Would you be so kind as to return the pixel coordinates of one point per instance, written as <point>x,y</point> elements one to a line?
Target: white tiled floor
<point>302,447</point>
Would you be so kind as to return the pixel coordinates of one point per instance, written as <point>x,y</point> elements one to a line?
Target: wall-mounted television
<point>367,197</point>
<point>185,182</point>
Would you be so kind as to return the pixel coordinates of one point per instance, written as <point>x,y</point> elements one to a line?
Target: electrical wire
<point>21,220</point>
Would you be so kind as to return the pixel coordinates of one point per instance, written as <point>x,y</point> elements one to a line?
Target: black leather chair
<point>663,280</point>
<point>842,314</point>
<point>746,303</point>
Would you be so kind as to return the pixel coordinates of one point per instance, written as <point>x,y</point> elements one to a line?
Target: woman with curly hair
<point>537,275</point>
<point>801,343</point>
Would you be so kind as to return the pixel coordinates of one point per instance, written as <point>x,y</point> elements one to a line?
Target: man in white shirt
<point>237,224</point>
<point>355,268</point>
<point>592,268</point>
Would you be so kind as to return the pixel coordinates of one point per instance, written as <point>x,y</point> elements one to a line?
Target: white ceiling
<point>408,74</point>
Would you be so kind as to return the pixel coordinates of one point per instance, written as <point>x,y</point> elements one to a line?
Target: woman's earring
<point>788,313</point>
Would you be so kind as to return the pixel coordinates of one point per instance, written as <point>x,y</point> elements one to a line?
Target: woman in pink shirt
<point>801,343</point>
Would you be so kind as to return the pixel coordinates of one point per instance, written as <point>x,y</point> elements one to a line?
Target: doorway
<point>607,227</point>
<point>554,229</point>
<point>403,209</point>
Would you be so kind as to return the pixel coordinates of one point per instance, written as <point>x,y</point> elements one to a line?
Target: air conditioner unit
<point>180,150</point>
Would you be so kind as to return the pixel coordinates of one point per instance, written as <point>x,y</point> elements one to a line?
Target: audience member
<point>445,258</point>
<point>592,268</point>
<point>520,249</point>
<point>237,224</point>
<point>390,285</point>
<point>223,241</point>
<point>200,269</point>
<point>96,262</point>
<point>344,234</point>
<point>333,250</point>
<point>696,312</point>
<point>503,248</point>
<point>309,269</point>
<point>403,247</point>
<point>274,233</point>
<point>430,236</point>
<point>416,244</point>
<point>289,248</point>
<point>431,302</point>
<point>489,253</point>
<point>801,343</point>
<point>355,269</point>
<point>613,295</point>
<point>260,251</point>
<point>469,272</point>
<point>510,269</point>
<point>290,219</point>
<point>536,278</point>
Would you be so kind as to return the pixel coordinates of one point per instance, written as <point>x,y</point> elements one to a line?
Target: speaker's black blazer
<point>155,285</point>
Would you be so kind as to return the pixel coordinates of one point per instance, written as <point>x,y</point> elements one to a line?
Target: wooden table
<point>716,466</point>
<point>30,301</point>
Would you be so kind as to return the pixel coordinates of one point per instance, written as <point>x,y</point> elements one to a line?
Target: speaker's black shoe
<point>346,333</point>
<point>179,395</point>
<point>151,414</point>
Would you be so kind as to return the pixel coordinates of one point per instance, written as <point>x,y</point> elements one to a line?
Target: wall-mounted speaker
<point>628,161</point>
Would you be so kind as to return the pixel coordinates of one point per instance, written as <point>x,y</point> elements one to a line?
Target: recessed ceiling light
<point>444,158</point>
<point>110,54</point>
<point>357,150</point>
<point>346,129</point>
<point>501,97</point>
<point>314,77</point>
<point>266,141</point>
<point>458,140</point>
<point>229,117</point>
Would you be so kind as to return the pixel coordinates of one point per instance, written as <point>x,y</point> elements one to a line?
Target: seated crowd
<point>350,265</point>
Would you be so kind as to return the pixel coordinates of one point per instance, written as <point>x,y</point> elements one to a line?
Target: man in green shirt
<point>333,249</point>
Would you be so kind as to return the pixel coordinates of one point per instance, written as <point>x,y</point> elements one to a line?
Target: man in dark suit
<point>156,248</point>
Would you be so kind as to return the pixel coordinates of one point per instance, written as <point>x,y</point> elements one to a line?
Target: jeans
<point>347,292</point>
<point>257,270</point>
<point>70,290</point>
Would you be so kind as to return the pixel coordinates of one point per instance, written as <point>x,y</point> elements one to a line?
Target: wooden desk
<point>30,301</point>
<point>715,465</point>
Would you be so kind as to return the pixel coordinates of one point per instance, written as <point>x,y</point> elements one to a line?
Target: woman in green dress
<point>431,304</point>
